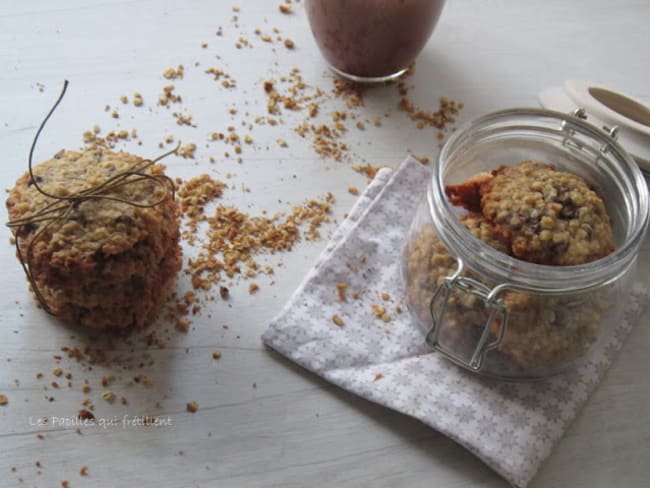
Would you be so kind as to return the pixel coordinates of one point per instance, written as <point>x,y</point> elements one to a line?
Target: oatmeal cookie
<point>429,263</point>
<point>542,215</point>
<point>551,331</point>
<point>535,213</point>
<point>542,331</point>
<point>107,255</point>
<point>130,304</point>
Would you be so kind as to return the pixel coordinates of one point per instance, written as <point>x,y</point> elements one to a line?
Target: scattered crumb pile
<point>380,306</point>
<point>324,116</point>
<point>230,244</point>
<point>229,240</point>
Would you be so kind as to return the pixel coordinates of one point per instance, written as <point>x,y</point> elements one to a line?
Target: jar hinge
<point>496,311</point>
<point>581,113</point>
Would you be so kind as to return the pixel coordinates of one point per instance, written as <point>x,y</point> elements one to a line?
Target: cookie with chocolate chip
<point>535,213</point>
<point>100,236</point>
<point>540,214</point>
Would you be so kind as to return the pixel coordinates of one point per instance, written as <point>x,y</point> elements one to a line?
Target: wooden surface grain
<point>263,421</point>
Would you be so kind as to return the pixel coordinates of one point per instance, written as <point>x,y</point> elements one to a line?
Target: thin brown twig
<point>57,211</point>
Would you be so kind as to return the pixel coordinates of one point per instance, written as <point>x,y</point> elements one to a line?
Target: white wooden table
<point>263,421</point>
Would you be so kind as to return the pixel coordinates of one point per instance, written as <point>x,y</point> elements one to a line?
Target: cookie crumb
<point>183,325</point>
<point>173,73</point>
<point>369,170</point>
<point>84,414</point>
<point>423,159</point>
<point>341,289</point>
<point>380,312</point>
<point>337,320</point>
<point>108,396</point>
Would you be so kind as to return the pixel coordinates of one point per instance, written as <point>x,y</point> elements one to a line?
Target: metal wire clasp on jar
<point>499,315</point>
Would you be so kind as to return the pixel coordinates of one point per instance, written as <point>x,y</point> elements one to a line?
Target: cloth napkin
<point>510,426</point>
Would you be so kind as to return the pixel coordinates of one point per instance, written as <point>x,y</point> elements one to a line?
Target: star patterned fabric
<point>511,426</point>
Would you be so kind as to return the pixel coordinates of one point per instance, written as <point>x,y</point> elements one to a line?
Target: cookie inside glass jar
<point>541,215</point>
<point>534,213</point>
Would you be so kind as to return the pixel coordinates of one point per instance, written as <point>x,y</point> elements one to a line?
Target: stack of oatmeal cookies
<point>98,232</point>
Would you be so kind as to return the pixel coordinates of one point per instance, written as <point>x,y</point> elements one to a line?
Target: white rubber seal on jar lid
<point>606,107</point>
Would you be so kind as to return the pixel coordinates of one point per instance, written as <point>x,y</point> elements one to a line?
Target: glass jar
<point>501,316</point>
